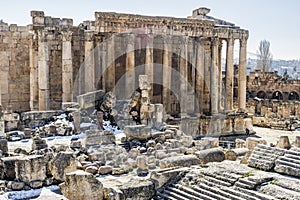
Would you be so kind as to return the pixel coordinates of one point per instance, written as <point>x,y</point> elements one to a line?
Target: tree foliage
<point>264,56</point>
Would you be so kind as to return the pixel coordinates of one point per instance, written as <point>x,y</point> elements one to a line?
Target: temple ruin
<point>52,61</point>
<point>136,107</point>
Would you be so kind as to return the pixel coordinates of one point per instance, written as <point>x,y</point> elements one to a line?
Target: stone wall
<point>14,66</point>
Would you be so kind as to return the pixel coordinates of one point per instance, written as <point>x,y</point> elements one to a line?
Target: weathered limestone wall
<point>14,66</point>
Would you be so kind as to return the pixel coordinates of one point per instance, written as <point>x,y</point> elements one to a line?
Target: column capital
<point>243,41</point>
<point>148,38</point>
<point>67,36</point>
<point>89,36</point>
<point>42,36</point>
<point>230,41</point>
<point>34,41</point>
<point>167,41</point>
<point>215,41</point>
<point>200,40</point>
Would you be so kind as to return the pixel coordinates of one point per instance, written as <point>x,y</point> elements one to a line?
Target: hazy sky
<point>275,20</point>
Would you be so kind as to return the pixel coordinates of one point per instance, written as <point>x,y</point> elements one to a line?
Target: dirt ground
<point>272,135</point>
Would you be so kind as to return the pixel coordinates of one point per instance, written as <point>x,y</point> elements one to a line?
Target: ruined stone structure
<point>51,61</point>
<point>274,99</point>
<point>270,85</point>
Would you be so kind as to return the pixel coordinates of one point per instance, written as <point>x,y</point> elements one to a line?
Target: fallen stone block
<point>30,168</point>
<point>210,155</point>
<point>182,161</point>
<point>284,142</point>
<point>233,154</point>
<point>8,167</point>
<point>61,164</point>
<point>81,185</point>
<point>252,142</point>
<point>138,132</point>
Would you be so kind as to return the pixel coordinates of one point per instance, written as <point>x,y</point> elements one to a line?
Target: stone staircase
<point>206,186</point>
<point>289,163</point>
<point>264,157</point>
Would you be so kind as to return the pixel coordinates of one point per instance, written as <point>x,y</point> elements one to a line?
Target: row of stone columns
<point>208,70</point>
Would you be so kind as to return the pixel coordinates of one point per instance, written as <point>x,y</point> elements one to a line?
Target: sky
<point>277,21</point>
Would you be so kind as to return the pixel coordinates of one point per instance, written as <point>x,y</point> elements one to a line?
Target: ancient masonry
<point>51,61</point>
<point>274,99</point>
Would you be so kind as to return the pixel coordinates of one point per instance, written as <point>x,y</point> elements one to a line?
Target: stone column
<point>183,78</point>
<point>166,76</point>
<point>149,61</point>
<point>242,75</point>
<point>43,71</point>
<point>33,65</point>
<point>130,66</point>
<point>221,106</point>
<point>200,75</point>
<point>229,75</point>
<point>110,67</point>
<point>67,67</point>
<point>89,68</point>
<point>214,77</point>
<point>207,66</point>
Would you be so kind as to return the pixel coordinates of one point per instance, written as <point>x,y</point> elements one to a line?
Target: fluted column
<point>221,107</point>
<point>110,69</point>
<point>67,67</point>
<point>183,78</point>
<point>242,75</point>
<point>43,71</point>
<point>33,65</point>
<point>200,75</point>
<point>166,76</point>
<point>149,61</point>
<point>214,77</point>
<point>229,75</point>
<point>130,66</point>
<point>207,68</point>
<point>89,63</point>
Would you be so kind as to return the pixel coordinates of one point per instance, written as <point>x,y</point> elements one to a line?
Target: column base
<point>229,112</point>
<point>183,115</point>
<point>241,110</point>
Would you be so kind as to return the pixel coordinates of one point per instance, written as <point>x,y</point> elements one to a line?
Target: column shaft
<point>200,75</point>
<point>43,72</point>
<point>166,76</point>
<point>214,78</point>
<point>207,69</point>
<point>110,69</point>
<point>183,79</point>
<point>221,107</point>
<point>67,67</point>
<point>89,68</point>
<point>149,61</point>
<point>229,75</point>
<point>33,64</point>
<point>242,76</point>
<point>130,66</point>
